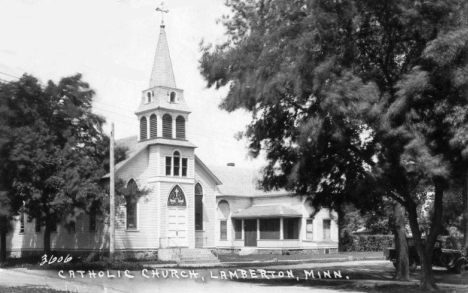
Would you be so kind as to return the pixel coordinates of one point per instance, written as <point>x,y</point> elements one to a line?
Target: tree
<point>53,150</point>
<point>324,81</point>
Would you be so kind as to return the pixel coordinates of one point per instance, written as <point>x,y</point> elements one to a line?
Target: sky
<point>112,43</point>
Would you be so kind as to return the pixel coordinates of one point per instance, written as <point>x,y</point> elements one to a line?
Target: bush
<point>363,243</point>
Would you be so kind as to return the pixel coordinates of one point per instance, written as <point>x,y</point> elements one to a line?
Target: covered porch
<point>268,226</point>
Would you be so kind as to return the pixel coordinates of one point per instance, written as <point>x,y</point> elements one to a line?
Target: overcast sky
<point>112,43</point>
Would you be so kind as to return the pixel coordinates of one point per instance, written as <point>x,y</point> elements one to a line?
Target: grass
<point>405,288</point>
<point>29,290</point>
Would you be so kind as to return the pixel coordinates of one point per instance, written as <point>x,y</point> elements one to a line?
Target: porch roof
<point>267,211</point>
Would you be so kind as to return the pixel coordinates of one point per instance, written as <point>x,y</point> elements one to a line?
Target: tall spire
<point>162,73</point>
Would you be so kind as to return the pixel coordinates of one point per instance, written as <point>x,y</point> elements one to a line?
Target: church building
<point>189,204</point>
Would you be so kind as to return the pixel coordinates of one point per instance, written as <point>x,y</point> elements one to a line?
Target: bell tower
<point>162,115</point>
<point>163,112</point>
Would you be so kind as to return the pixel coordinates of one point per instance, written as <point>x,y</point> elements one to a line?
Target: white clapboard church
<point>189,204</point>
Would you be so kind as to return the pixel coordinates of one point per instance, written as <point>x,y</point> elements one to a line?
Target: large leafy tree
<point>326,82</point>
<point>52,151</point>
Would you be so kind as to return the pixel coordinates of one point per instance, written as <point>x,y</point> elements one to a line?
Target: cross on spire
<point>162,10</point>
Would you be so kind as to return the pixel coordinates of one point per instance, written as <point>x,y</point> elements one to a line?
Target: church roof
<point>241,182</point>
<point>162,73</point>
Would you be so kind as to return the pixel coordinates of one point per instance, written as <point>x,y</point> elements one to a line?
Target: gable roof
<point>242,182</point>
<point>134,147</point>
<point>230,181</point>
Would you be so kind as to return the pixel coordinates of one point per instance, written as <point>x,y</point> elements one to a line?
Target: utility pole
<point>112,197</point>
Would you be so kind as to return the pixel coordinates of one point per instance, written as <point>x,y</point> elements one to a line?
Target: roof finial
<point>162,10</point>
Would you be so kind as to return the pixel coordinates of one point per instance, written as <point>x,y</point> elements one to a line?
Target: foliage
<point>352,101</point>
<point>362,243</point>
<point>52,149</point>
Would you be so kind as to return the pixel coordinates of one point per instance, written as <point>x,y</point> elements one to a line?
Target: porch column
<point>258,229</point>
<point>281,229</point>
<point>243,230</point>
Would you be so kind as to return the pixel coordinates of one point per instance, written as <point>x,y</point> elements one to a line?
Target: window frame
<point>145,124</point>
<point>223,232</point>
<point>310,233</point>
<point>237,223</point>
<point>176,164</point>
<point>287,231</point>
<point>134,207</point>
<point>184,167</point>
<point>199,204</point>
<point>265,235</point>
<point>22,224</point>
<point>329,229</point>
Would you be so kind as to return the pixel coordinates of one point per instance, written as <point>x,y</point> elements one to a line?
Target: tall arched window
<point>198,207</point>
<point>143,128</point>
<point>131,204</point>
<point>153,126</point>
<point>167,126</point>
<point>176,163</point>
<point>180,127</point>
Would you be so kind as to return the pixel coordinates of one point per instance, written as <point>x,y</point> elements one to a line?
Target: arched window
<point>167,126</point>
<point>131,204</point>
<point>223,215</point>
<point>198,207</point>
<point>176,197</point>
<point>143,128</point>
<point>176,163</point>
<point>173,97</point>
<point>149,97</point>
<point>180,127</point>
<point>153,126</point>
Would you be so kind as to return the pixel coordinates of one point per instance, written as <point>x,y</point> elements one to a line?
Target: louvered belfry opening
<point>153,126</point>
<point>180,127</point>
<point>143,129</point>
<point>167,126</point>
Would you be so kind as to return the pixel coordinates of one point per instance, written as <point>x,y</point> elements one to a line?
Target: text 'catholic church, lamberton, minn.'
<point>189,205</point>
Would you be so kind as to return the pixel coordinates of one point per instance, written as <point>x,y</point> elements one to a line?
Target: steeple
<point>162,73</point>
<point>162,112</point>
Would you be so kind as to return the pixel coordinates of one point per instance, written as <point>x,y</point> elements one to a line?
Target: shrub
<point>363,243</point>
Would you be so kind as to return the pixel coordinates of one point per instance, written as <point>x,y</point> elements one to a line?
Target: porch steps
<point>189,256</point>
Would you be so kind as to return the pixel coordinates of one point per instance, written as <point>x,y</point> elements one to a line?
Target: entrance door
<point>250,230</point>
<point>177,227</point>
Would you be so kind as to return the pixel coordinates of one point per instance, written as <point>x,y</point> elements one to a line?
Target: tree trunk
<point>465,215</point>
<point>402,267</point>
<point>425,252</point>
<point>3,252</point>
<point>4,223</point>
<point>47,236</point>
